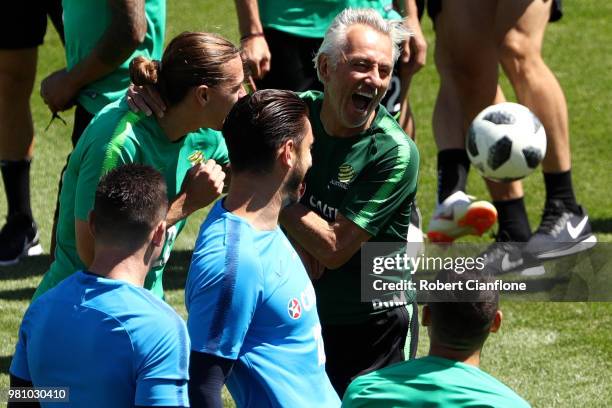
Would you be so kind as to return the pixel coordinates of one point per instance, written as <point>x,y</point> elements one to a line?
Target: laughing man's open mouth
<point>363,98</point>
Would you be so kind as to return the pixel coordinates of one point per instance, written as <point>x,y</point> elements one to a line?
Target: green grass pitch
<point>553,354</point>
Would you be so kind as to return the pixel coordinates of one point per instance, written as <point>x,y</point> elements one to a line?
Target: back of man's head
<point>461,320</point>
<point>131,201</point>
<point>259,124</point>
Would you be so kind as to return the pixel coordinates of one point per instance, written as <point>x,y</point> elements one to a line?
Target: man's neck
<point>115,264</point>
<point>467,357</point>
<point>256,199</point>
<point>175,124</point>
<point>332,125</point>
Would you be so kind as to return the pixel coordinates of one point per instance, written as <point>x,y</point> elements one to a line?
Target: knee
<point>464,73</point>
<point>519,55</point>
<point>14,86</point>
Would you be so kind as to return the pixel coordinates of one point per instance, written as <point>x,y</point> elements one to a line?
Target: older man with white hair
<point>359,189</point>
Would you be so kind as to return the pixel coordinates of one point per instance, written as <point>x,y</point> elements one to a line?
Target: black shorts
<point>357,349</point>
<point>434,7</point>
<point>292,67</point>
<point>23,23</point>
<point>556,12</point>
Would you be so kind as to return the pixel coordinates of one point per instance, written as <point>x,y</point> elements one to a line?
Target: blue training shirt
<point>112,343</point>
<point>249,299</point>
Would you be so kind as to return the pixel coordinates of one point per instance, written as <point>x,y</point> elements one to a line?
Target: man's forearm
<point>314,234</point>
<point>178,209</point>
<point>332,244</point>
<point>311,231</point>
<point>248,17</point>
<point>408,9</point>
<point>126,31</point>
<point>207,375</point>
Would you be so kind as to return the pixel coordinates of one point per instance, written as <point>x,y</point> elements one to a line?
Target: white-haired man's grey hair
<point>334,41</point>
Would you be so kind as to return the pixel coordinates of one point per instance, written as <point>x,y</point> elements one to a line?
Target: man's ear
<point>426,319</point>
<point>201,94</point>
<point>288,153</point>
<point>324,65</point>
<point>159,234</point>
<point>496,321</point>
<point>90,222</point>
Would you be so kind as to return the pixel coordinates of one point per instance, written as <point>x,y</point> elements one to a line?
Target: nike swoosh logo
<point>508,265</point>
<point>575,231</point>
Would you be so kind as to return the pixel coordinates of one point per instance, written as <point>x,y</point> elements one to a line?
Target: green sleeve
<point>96,162</point>
<point>357,395</point>
<point>210,143</point>
<point>382,188</point>
<point>220,154</point>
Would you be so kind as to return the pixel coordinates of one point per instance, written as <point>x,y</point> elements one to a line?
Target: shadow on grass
<point>17,294</point>
<point>602,225</point>
<point>176,270</point>
<point>28,267</point>
<point>5,363</point>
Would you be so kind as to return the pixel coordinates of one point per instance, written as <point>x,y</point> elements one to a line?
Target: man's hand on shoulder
<point>145,99</point>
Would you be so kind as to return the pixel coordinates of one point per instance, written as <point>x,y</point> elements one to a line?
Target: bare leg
<point>406,119</point>
<point>17,72</point>
<point>504,191</point>
<point>520,26</point>
<point>535,85</point>
<point>19,235</point>
<point>467,62</point>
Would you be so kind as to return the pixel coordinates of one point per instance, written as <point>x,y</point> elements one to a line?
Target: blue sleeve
<point>224,288</point>
<point>163,365</point>
<point>162,393</point>
<point>19,364</point>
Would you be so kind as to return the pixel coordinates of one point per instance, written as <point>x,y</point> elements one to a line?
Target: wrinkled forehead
<point>364,41</point>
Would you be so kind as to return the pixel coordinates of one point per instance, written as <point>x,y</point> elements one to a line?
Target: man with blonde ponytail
<point>200,78</point>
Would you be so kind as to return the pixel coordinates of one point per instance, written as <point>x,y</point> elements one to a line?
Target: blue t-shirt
<point>249,299</point>
<point>112,343</point>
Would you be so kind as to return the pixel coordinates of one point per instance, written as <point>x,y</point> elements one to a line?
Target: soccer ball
<point>506,142</point>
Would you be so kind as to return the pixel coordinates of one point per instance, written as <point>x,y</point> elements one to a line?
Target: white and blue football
<point>506,142</point>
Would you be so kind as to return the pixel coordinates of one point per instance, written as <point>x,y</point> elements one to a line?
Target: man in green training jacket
<point>360,188</point>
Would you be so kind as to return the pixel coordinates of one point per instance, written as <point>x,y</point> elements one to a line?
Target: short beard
<point>291,189</point>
